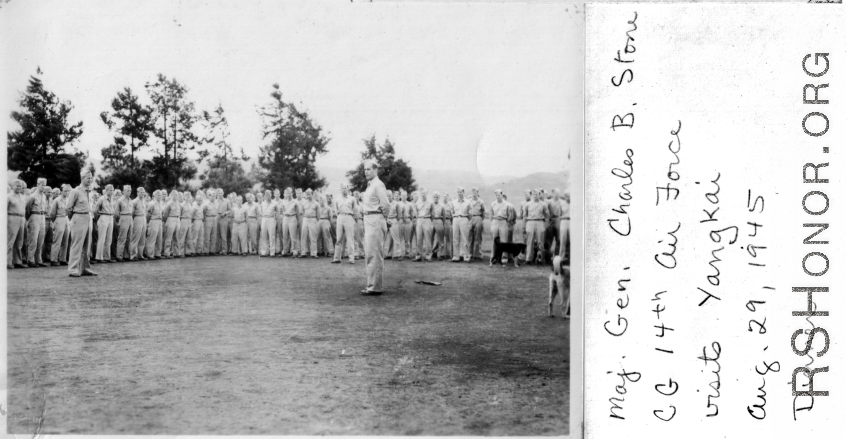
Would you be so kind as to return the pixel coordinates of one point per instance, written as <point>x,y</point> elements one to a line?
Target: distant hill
<point>448,181</point>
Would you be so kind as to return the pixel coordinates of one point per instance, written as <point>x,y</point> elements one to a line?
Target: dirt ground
<point>248,345</point>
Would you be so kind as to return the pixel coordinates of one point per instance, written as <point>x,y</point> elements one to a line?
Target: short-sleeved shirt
<point>239,214</point>
<point>223,207</point>
<point>173,209</point>
<point>311,209</point>
<point>392,210</point>
<point>537,210</point>
<point>139,207</point>
<point>565,206</point>
<point>196,211</point>
<point>477,207</point>
<point>268,209</point>
<point>461,209</point>
<point>78,201</point>
<point>448,211</point>
<point>325,213</point>
<point>155,210</point>
<point>555,208</point>
<point>252,210</point>
<point>290,207</point>
<point>57,207</point>
<point>17,204</point>
<point>500,210</point>
<point>346,205</point>
<point>423,209</point>
<point>124,206</point>
<point>438,211</point>
<point>36,204</point>
<point>210,210</point>
<point>105,206</point>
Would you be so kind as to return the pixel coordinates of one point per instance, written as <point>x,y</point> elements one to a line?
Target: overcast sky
<point>495,88</point>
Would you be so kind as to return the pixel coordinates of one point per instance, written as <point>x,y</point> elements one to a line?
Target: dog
<point>509,248</point>
<point>560,284</point>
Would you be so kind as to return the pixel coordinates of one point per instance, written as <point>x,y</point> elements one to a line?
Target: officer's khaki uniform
<point>423,230</point>
<point>36,208</point>
<point>346,228</point>
<point>395,239</point>
<point>170,214</point>
<point>196,240</point>
<point>512,217</point>
<point>239,231</point>
<point>279,225</point>
<point>499,222</point>
<point>536,215</point>
<point>139,228</point>
<point>61,233</point>
<point>224,207</point>
<point>324,227</point>
<point>79,207</point>
<point>105,227</point>
<point>309,227</point>
<point>438,229</point>
<point>374,206</point>
<point>360,230</point>
<point>210,227</point>
<point>476,227</point>
<point>123,210</point>
<point>267,241</point>
<point>555,209</point>
<point>252,211</point>
<point>16,209</point>
<point>461,227</point>
<point>565,230</point>
<point>447,246</point>
<point>184,228</point>
<point>290,229</point>
<point>413,229</point>
<point>154,229</point>
<point>407,228</point>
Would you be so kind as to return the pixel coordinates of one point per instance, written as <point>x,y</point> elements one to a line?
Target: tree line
<point>181,138</point>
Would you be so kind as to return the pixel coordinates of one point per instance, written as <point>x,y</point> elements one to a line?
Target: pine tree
<point>38,148</point>
<point>132,123</point>
<point>225,170</point>
<point>174,117</point>
<point>395,173</point>
<point>295,141</point>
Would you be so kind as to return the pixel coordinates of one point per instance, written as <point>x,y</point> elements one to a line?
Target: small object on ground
<point>428,282</point>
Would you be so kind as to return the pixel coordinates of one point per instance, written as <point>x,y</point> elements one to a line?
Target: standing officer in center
<point>79,209</point>
<point>423,229</point>
<point>375,207</point>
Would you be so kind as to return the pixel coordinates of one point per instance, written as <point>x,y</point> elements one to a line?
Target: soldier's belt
<point>499,218</point>
<point>350,214</point>
<point>136,216</point>
<point>15,214</point>
<point>211,216</point>
<point>59,216</point>
<point>478,215</point>
<point>79,213</point>
<point>461,216</point>
<point>126,214</point>
<point>536,220</point>
<point>37,213</point>
<point>173,216</point>
<point>567,218</point>
<point>253,217</point>
<point>290,214</point>
<point>239,222</point>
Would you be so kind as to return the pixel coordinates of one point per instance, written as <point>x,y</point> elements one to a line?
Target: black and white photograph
<point>311,217</point>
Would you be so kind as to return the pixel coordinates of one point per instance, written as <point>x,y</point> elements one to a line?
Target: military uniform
<point>36,208</point>
<point>477,208</point>
<point>359,215</point>
<point>139,228</point>
<point>565,230</point>
<point>210,226</point>
<point>79,207</point>
<point>374,207</point>
<point>324,227</point>
<point>183,233</point>
<point>395,240</point>
<point>123,210</point>
<point>536,215</point>
<point>290,235</point>
<point>105,208</point>
<point>239,231</point>
<point>267,241</point>
<point>437,229</point>
<point>61,234</point>
<point>170,214</point>
<point>309,228</point>
<point>252,212</point>
<point>407,228</point>
<point>461,228</point>
<point>346,228</point>
<point>447,244</point>
<point>154,229</point>
<point>555,209</point>
<point>196,241</point>
<point>224,207</point>
<point>423,229</point>
<point>499,222</point>
<point>16,209</point>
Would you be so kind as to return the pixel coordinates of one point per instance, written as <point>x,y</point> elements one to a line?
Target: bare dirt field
<point>248,345</point>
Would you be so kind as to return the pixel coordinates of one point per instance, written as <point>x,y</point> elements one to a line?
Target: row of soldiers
<point>294,223</point>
